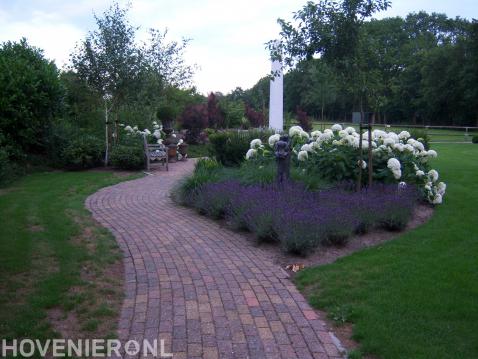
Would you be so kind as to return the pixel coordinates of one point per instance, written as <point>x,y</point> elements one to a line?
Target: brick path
<point>204,289</point>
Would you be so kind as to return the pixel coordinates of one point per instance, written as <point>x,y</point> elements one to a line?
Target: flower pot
<point>172,153</point>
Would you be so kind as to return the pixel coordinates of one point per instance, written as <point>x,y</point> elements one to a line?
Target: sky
<point>227,37</point>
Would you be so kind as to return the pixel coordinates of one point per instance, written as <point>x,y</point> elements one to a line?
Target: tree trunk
<point>370,168</point>
<point>359,179</point>
<point>106,136</point>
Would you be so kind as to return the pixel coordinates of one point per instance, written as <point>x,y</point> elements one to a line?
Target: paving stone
<point>204,289</point>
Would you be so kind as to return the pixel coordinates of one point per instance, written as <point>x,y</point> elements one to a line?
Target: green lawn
<point>47,240</point>
<point>197,151</point>
<point>416,296</point>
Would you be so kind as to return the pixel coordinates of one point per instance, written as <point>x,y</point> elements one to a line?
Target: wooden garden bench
<point>155,153</point>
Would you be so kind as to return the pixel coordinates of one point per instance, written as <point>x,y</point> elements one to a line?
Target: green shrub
<point>250,173</point>
<point>230,147</point>
<point>206,170</point>
<point>83,152</point>
<point>475,139</point>
<point>127,157</point>
<point>6,170</point>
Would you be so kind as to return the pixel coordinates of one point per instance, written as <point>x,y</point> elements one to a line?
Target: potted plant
<point>166,114</point>
<point>183,149</point>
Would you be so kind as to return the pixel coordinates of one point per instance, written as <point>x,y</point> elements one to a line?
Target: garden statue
<point>282,153</point>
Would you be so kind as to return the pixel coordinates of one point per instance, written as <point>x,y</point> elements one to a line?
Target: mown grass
<point>416,296</point>
<point>47,242</point>
<point>197,151</point>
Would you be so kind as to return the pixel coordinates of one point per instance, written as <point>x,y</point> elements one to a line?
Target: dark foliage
<point>229,147</point>
<point>304,120</point>
<point>194,119</point>
<point>215,116</point>
<point>30,97</point>
<point>127,157</point>
<point>84,151</point>
<point>256,118</point>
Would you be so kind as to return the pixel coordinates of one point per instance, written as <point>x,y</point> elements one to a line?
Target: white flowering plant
<point>334,155</point>
<point>153,135</point>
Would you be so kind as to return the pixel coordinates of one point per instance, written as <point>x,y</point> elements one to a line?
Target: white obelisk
<point>276,98</point>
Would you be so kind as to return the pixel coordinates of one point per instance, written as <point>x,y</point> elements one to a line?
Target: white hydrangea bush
<point>334,154</point>
<point>156,133</point>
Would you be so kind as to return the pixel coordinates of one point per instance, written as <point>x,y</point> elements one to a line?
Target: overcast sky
<point>227,36</point>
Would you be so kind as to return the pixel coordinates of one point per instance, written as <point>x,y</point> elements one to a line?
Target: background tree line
<point>421,69</point>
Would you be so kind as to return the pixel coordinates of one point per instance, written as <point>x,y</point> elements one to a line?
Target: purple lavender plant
<point>302,220</point>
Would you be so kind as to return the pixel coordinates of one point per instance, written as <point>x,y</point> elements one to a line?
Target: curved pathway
<point>205,290</point>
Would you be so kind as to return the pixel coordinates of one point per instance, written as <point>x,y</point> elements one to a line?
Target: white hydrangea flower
<point>409,148</point>
<point>404,135</point>
<point>135,128</point>
<point>316,145</point>
<point>157,134</point>
<point>160,142</point>
<point>128,128</point>
<point>397,174</point>
<point>273,139</point>
<point>350,130</point>
<point>307,147</point>
<point>304,134</point>
<point>428,186</point>
<point>336,143</point>
<point>393,136</point>
<point>295,130</point>
<point>302,156</point>
<point>251,153</point>
<point>362,164</point>
<point>433,175</point>
<point>256,143</point>
<point>156,127</point>
<point>402,185</point>
<point>399,147</point>
<point>418,145</point>
<point>343,133</point>
<point>420,173</point>
<point>432,153</point>
<point>438,199</point>
<point>336,127</point>
<point>393,163</point>
<point>351,140</point>
<point>315,134</point>
<point>325,136</point>
<point>441,188</point>
<point>328,130</point>
<point>388,141</point>
<point>379,134</point>
<point>155,123</point>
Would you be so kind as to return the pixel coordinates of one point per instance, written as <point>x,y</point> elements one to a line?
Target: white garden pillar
<point>276,98</point>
